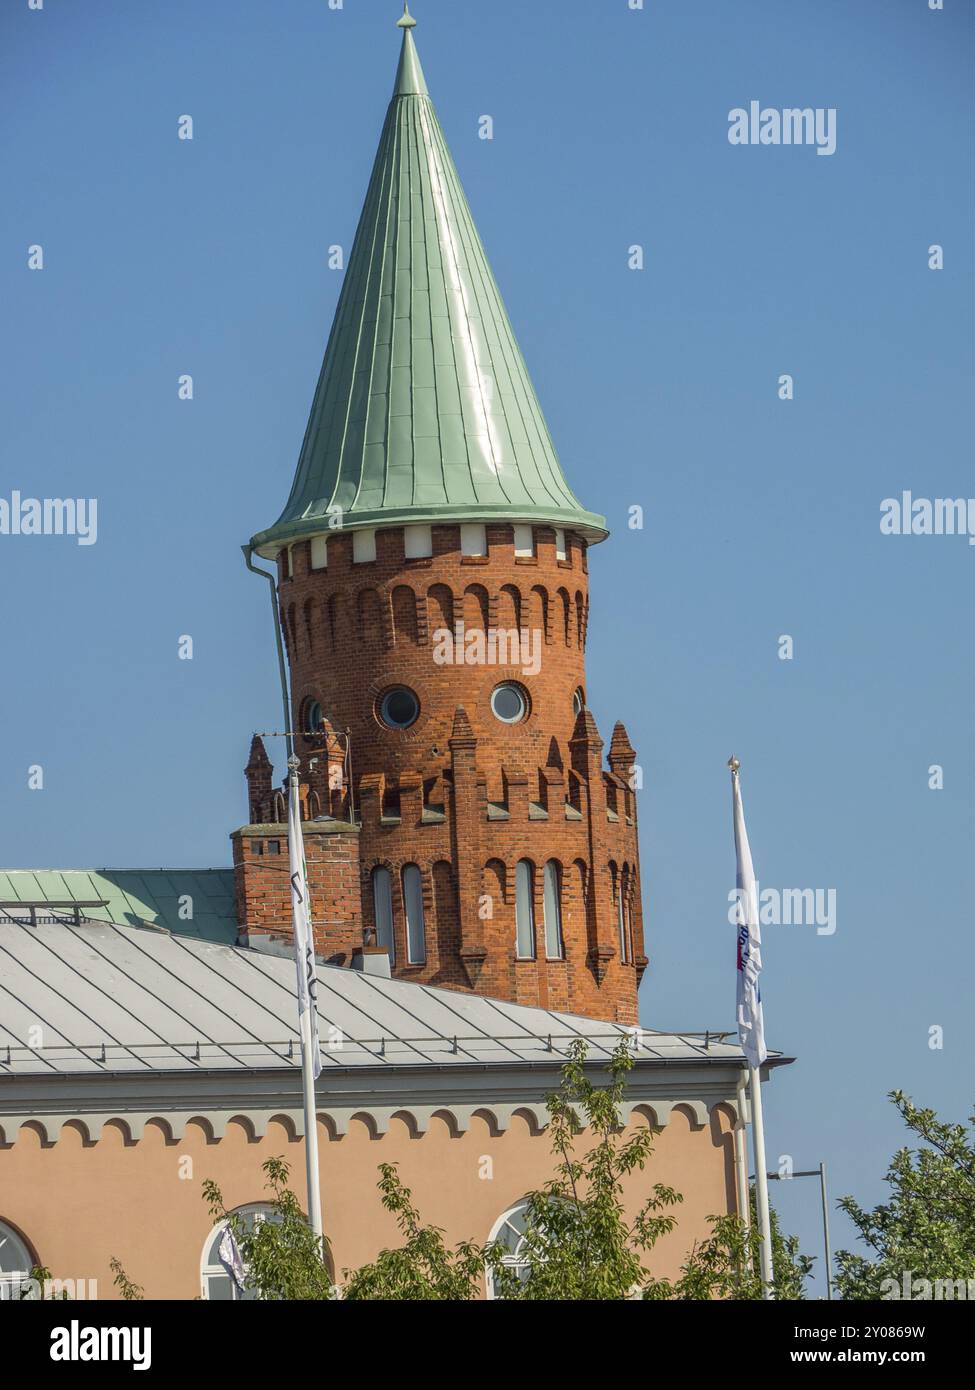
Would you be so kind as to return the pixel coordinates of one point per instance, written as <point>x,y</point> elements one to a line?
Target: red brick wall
<point>263,884</point>
<point>466,796</point>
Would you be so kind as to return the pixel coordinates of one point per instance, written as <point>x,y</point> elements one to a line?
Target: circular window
<point>509,703</point>
<point>313,717</point>
<point>578,702</point>
<point>399,708</point>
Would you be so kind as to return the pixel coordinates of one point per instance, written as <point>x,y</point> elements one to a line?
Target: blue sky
<point>761,516</point>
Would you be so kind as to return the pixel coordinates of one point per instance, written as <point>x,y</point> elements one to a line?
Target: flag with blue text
<point>751,1026</point>
<point>301,916</point>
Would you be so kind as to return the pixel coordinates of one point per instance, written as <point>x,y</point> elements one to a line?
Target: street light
<point>819,1173</point>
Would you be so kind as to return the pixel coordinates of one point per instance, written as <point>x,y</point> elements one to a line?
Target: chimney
<point>370,958</point>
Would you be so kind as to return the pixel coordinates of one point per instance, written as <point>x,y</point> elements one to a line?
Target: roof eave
<point>268,543</point>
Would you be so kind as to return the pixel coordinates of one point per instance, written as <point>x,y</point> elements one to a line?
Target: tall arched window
<point>382,902</point>
<point>16,1262</point>
<point>509,1234</point>
<point>416,941</point>
<point>554,948</point>
<point>219,1279</point>
<point>525,910</point>
<point>621,910</point>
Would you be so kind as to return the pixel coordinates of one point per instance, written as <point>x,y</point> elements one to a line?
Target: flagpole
<point>311,1133</point>
<point>312,1178</point>
<point>741,1165</point>
<point>751,1026</point>
<point>761,1180</point>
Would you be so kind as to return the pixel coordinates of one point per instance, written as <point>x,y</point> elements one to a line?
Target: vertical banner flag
<point>228,1253</point>
<point>751,1027</point>
<point>301,915</point>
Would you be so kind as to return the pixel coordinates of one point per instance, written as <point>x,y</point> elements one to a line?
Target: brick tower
<point>432,576</point>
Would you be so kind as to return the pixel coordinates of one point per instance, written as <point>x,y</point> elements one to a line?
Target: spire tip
<point>734,764</point>
<point>406,21</point>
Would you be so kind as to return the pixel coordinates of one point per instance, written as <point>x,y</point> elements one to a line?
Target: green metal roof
<point>134,896</point>
<point>424,409</point>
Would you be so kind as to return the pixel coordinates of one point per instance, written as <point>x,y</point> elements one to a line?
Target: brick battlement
<point>491,855</point>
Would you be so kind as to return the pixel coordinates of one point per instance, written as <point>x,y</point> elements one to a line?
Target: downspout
<point>282,669</point>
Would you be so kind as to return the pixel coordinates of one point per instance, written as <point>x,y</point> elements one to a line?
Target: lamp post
<point>819,1173</point>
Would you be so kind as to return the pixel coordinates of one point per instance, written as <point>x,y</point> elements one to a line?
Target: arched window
<point>554,948</point>
<point>16,1262</point>
<point>525,910</point>
<point>621,910</point>
<point>509,1233</point>
<point>219,1280</point>
<point>416,941</point>
<point>382,902</point>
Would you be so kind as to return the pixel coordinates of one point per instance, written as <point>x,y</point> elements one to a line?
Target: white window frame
<point>259,1211</point>
<point>416,936</point>
<point>12,1274</point>
<point>561,553</point>
<point>509,1219</point>
<point>319,552</point>
<point>621,900</point>
<point>552,904</point>
<point>525,909</point>
<point>385,935</point>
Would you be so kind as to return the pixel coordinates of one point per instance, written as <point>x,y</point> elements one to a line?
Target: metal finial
<point>407,21</point>
<point>294,763</point>
<point>734,764</point>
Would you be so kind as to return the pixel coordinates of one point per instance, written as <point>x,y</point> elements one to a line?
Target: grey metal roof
<point>134,897</point>
<point>111,999</point>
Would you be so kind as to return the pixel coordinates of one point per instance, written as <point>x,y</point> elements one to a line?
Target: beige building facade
<point>161,1062</point>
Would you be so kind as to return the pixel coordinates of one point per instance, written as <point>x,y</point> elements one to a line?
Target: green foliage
<point>40,1276</point>
<point>727,1264</point>
<point>127,1290</point>
<point>927,1228</point>
<point>578,1242</point>
<point>422,1269</point>
<point>283,1257</point>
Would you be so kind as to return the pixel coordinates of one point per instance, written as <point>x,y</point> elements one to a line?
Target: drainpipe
<point>282,669</point>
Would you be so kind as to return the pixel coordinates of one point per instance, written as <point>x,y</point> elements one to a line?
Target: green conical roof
<point>424,409</point>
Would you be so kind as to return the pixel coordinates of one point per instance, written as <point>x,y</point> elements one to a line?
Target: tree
<point>927,1228</point>
<point>578,1241</point>
<point>128,1291</point>
<point>727,1264</point>
<point>422,1269</point>
<point>282,1256</point>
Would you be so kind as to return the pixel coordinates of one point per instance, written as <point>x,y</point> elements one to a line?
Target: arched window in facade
<point>416,940</point>
<point>219,1280</point>
<point>509,1232</point>
<point>622,913</point>
<point>382,902</point>
<point>525,910</point>
<point>16,1262</point>
<point>552,899</point>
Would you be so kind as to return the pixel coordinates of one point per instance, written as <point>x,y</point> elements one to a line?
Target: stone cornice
<point>416,1094</point>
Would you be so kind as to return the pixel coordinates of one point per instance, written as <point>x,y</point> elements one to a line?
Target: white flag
<point>301,916</point>
<point>228,1252</point>
<point>751,1027</point>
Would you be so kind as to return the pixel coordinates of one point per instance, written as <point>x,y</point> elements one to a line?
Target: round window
<point>313,717</point>
<point>399,708</point>
<point>509,703</point>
